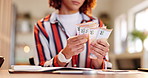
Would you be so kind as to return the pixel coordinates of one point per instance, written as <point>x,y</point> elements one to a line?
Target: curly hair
<point>86,8</point>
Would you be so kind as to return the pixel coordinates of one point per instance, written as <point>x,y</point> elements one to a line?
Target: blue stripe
<point>86,54</point>
<point>42,48</point>
<point>54,39</point>
<point>37,48</point>
<point>59,35</point>
<point>78,60</point>
<point>42,31</point>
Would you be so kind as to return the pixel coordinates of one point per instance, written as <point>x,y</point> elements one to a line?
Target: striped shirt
<point>50,38</point>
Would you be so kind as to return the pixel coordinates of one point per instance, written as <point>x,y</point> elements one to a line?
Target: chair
<point>31,61</point>
<point>1,60</point>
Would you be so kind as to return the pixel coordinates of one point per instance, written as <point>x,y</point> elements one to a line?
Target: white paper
<point>103,34</point>
<point>25,67</point>
<point>94,32</point>
<point>118,72</point>
<point>29,68</point>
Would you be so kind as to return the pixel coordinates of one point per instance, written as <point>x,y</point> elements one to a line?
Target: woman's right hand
<point>75,45</point>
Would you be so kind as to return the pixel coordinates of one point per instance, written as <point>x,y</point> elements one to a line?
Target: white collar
<point>54,16</point>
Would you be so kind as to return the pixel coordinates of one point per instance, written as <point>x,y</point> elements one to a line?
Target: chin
<point>75,8</point>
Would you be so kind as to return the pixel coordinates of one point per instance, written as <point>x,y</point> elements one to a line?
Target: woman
<point>57,43</point>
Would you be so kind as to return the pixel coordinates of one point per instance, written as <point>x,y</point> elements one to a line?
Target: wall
<point>40,7</point>
<point>37,8</point>
<point>114,8</point>
<point>119,7</point>
<point>122,6</point>
<point>102,6</point>
<point>5,31</point>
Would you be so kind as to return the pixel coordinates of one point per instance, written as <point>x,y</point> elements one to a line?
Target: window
<point>137,20</point>
<point>141,19</point>
<point>120,34</point>
<point>141,24</point>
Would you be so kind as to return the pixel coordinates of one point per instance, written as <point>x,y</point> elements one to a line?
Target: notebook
<point>39,69</point>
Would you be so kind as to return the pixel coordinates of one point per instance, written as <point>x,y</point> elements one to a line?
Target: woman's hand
<point>75,45</point>
<point>99,48</point>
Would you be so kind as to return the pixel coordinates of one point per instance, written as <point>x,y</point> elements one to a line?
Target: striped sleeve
<point>39,47</point>
<point>43,53</point>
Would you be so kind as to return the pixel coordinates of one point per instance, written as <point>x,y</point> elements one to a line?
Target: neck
<point>67,12</point>
<point>63,10</point>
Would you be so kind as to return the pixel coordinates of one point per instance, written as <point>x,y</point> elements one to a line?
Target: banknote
<point>95,32</point>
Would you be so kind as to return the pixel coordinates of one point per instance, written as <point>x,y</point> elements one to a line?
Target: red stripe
<point>77,60</point>
<point>74,60</point>
<point>42,29</point>
<point>105,59</point>
<point>39,47</point>
<point>103,65</point>
<point>92,67</point>
<point>57,38</point>
<point>100,23</point>
<point>88,65</point>
<point>57,43</point>
<point>91,18</point>
<point>47,18</point>
<point>89,21</point>
<point>55,61</point>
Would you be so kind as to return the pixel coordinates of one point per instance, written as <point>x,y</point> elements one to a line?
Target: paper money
<point>95,32</point>
<point>103,33</point>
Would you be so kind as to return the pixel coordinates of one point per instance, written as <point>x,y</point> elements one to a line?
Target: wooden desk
<point>6,74</point>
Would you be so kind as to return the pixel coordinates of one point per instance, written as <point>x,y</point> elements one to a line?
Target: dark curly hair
<point>85,8</point>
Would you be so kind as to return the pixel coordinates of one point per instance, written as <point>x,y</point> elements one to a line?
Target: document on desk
<point>39,69</point>
<point>97,72</point>
<point>65,70</point>
<point>111,71</point>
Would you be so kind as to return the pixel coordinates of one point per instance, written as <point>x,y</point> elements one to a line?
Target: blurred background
<point>128,18</point>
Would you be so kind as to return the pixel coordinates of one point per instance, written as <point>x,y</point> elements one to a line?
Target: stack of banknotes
<point>95,32</point>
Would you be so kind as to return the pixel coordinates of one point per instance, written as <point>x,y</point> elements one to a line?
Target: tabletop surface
<point>136,74</point>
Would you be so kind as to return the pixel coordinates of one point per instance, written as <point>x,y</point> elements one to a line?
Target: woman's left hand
<point>99,48</point>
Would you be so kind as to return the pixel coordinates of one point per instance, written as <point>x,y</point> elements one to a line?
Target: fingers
<point>70,50</point>
<point>75,45</point>
<point>79,37</point>
<point>103,43</point>
<point>99,48</point>
<point>99,56</point>
<point>99,51</point>
<point>77,49</point>
<point>78,40</point>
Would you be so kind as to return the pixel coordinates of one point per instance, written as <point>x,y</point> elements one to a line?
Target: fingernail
<point>85,40</point>
<point>86,35</point>
<point>92,43</point>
